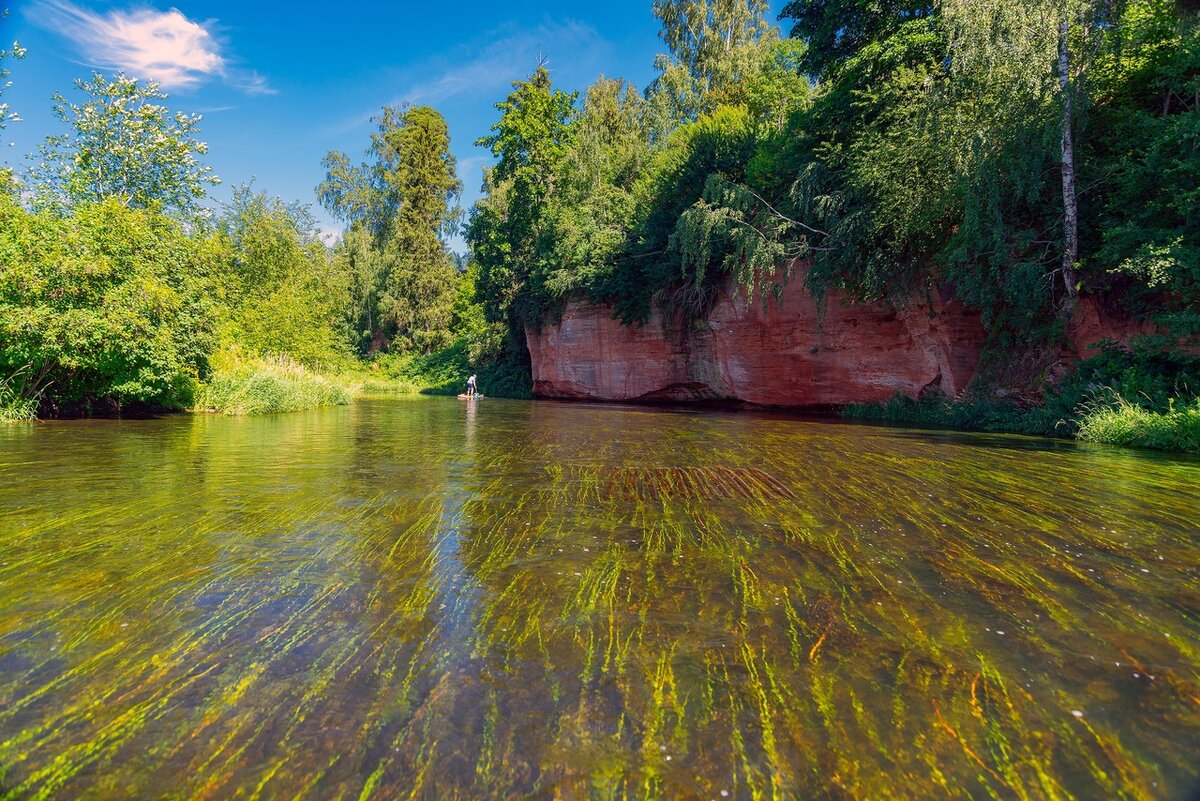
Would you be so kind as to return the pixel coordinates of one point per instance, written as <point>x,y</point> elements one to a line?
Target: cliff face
<point>789,353</point>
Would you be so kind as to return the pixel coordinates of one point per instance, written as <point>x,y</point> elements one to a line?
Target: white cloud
<point>506,58</point>
<point>162,46</point>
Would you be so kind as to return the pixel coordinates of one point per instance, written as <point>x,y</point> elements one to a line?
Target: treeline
<point>122,290</point>
<point>416,310</point>
<point>1018,154</point>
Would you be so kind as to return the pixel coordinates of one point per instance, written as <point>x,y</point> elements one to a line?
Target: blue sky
<point>280,84</point>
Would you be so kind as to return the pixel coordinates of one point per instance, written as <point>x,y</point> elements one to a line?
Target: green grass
<point>14,408</point>
<point>267,386</point>
<point>1176,429</point>
<point>1090,404</point>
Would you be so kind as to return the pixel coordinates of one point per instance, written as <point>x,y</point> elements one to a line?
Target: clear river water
<point>427,598</point>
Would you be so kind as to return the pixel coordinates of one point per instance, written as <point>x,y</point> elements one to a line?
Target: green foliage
<point>590,214</point>
<point>836,30</point>
<point>510,231</point>
<point>1150,134</point>
<point>1176,429</point>
<point>102,309</point>
<point>116,292</point>
<point>716,46</point>
<point>717,144</point>
<point>282,297</point>
<point>483,347</point>
<point>421,273</point>
<point>399,207</point>
<point>268,386</point>
<point>735,230</point>
<point>122,144</point>
<point>445,372</point>
<point>1149,387</point>
<point>484,340</point>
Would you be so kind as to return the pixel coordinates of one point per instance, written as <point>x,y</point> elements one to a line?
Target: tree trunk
<point>1070,253</point>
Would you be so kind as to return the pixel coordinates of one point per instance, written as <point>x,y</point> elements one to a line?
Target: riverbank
<point>1115,422</point>
<point>1142,396</point>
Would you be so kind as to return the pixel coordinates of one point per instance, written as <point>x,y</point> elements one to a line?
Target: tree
<point>714,46</point>
<point>281,296</point>
<point>356,195</point>
<point>124,145</point>
<point>17,52</point>
<point>610,146</point>
<point>835,30</point>
<point>1027,59</point>
<point>405,199</point>
<point>102,308</point>
<point>419,167</point>
<point>530,141</point>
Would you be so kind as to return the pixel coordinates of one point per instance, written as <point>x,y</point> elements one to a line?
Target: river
<point>427,598</point>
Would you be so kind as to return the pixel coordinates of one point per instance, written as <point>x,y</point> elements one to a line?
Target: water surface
<point>433,599</point>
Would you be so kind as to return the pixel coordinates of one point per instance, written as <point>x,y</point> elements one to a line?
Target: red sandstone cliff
<point>786,353</point>
<point>790,353</point>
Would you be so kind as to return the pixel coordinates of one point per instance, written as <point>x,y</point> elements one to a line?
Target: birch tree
<point>1023,62</point>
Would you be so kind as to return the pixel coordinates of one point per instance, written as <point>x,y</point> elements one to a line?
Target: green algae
<point>427,599</point>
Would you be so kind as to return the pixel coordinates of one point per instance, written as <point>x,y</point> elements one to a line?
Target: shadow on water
<point>433,599</point>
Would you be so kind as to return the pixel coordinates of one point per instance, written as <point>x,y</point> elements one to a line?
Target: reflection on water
<point>433,599</point>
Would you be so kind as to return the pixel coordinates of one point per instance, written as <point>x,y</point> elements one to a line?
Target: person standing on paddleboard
<point>471,386</point>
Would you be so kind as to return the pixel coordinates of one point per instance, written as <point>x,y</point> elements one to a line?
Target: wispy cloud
<point>486,68</point>
<point>506,58</point>
<point>162,46</point>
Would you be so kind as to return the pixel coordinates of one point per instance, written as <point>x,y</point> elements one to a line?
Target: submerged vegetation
<point>443,600</point>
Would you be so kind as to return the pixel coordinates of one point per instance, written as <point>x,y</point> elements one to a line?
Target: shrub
<point>100,308</point>
<point>15,408</point>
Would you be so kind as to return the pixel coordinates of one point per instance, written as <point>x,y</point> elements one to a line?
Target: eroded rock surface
<point>795,352</point>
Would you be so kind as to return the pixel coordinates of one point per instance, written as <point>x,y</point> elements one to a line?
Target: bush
<point>1176,429</point>
<point>100,309</point>
<point>268,386</point>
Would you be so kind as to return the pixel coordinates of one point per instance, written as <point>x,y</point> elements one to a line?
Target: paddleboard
<point>469,397</point>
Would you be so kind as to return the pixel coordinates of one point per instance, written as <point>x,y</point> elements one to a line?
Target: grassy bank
<point>1147,396</point>
<point>1125,423</point>
<point>1110,419</point>
<point>269,385</point>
